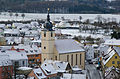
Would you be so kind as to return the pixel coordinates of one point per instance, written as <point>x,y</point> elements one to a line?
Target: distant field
<point>56,17</point>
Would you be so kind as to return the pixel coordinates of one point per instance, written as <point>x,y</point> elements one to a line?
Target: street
<point>93,73</point>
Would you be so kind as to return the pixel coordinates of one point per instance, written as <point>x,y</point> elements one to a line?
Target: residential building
<point>111,58</point>
<point>112,73</point>
<point>89,52</point>
<point>6,67</point>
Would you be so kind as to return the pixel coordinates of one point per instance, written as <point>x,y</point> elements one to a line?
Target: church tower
<point>47,40</point>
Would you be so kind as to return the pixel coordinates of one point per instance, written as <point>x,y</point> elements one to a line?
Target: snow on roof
<point>37,72</point>
<point>64,24</point>
<point>13,39</point>
<point>15,55</point>
<point>11,31</point>
<point>117,49</point>
<point>2,25</point>
<point>109,56</point>
<point>112,42</point>
<point>24,68</point>
<point>68,46</point>
<point>48,68</point>
<point>34,23</point>
<point>5,60</point>
<point>59,66</point>
<point>36,41</point>
<point>74,76</point>
<point>29,49</point>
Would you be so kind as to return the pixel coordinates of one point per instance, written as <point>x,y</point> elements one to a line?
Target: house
<point>111,58</point>
<point>112,73</point>
<point>33,53</point>
<point>63,49</point>
<point>112,42</point>
<point>37,74</point>
<point>11,33</point>
<point>17,56</point>
<point>6,67</point>
<point>89,52</point>
<point>49,69</point>
<point>2,41</point>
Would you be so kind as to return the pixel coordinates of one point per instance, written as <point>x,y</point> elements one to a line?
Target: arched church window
<point>44,34</point>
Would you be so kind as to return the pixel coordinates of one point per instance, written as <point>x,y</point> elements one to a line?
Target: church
<point>60,49</point>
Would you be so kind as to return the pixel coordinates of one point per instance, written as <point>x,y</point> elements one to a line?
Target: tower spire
<point>48,16</point>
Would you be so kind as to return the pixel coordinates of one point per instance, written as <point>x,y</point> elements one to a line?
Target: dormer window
<point>26,51</point>
<point>31,50</point>
<point>39,74</point>
<point>48,71</point>
<point>35,50</point>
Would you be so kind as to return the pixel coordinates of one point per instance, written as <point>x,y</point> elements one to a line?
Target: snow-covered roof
<point>48,68</point>
<point>2,25</point>
<point>15,55</point>
<point>36,41</point>
<point>11,31</point>
<point>117,49</point>
<point>29,49</point>
<point>112,42</point>
<point>5,60</point>
<point>68,46</point>
<point>39,71</point>
<point>109,55</point>
<point>59,66</point>
<point>74,76</point>
<point>24,68</point>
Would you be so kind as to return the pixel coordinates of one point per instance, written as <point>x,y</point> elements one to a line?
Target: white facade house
<point>18,57</point>
<point>89,52</point>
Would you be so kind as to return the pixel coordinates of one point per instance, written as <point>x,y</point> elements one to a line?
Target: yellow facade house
<point>60,49</point>
<point>112,58</point>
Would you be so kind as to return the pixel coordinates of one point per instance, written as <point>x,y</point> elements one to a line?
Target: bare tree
<point>80,18</point>
<point>16,15</point>
<point>23,15</point>
<point>11,14</point>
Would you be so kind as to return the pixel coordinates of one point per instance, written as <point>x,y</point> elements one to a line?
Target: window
<point>39,74</point>
<point>44,59</point>
<point>67,58</point>
<point>115,57</point>
<point>8,68</point>
<point>76,59</point>
<point>44,47</point>
<point>38,60</point>
<point>23,63</point>
<point>35,50</point>
<point>80,59</point>
<point>55,57</point>
<point>26,51</point>
<point>44,34</point>
<point>118,62</point>
<point>51,34</point>
<point>31,50</point>
<point>72,59</point>
<point>3,68</point>
<point>113,62</point>
<point>36,55</point>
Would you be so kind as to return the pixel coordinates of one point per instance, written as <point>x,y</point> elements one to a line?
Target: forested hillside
<point>70,6</point>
